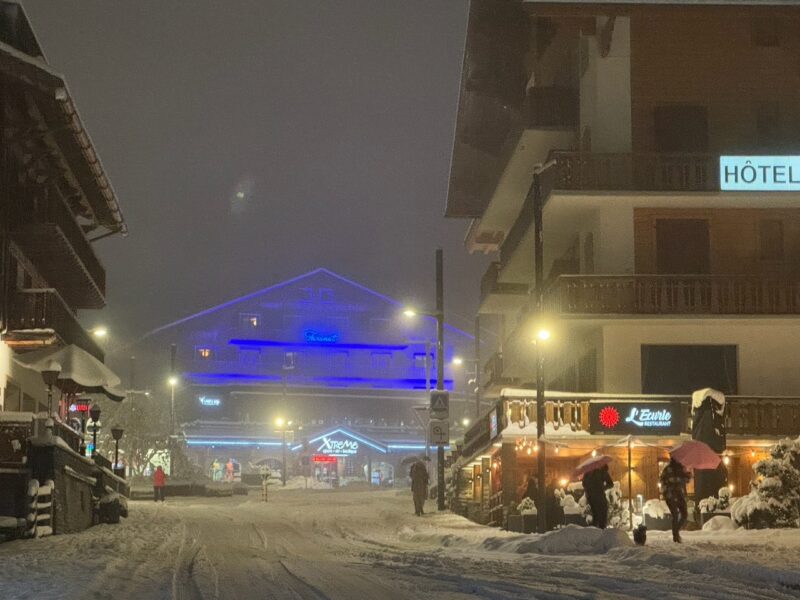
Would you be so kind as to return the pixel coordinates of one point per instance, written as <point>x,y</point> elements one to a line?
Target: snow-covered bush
<point>716,504</point>
<point>774,498</point>
<point>569,505</point>
<point>618,514</point>
<point>656,508</point>
<point>527,507</point>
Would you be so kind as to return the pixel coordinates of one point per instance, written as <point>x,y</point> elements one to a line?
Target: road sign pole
<point>440,370</point>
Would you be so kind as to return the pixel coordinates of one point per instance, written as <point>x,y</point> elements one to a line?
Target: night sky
<point>251,141</point>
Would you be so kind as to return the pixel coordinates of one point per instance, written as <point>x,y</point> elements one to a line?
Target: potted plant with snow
<point>525,521</point>
<point>656,515</point>
<point>715,506</point>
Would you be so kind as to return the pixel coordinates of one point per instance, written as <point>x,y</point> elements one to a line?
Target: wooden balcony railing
<point>37,309</point>
<point>647,172</point>
<point>518,230</point>
<point>52,239</point>
<point>673,295</point>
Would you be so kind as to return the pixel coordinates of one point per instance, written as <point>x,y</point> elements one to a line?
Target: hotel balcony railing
<point>684,172</point>
<point>491,285</point>
<point>673,295</point>
<point>493,373</point>
<point>518,230</point>
<point>44,309</point>
<point>52,239</point>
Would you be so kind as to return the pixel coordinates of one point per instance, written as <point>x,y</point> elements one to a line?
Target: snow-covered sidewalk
<point>368,544</point>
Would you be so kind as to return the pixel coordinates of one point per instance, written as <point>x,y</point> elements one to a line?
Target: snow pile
<point>298,482</point>
<point>656,508</point>
<point>774,500</point>
<point>527,507</point>
<point>570,506</point>
<point>572,539</point>
<point>719,523</point>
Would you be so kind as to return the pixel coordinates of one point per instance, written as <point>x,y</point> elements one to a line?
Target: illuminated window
<point>250,320</point>
<point>204,352</point>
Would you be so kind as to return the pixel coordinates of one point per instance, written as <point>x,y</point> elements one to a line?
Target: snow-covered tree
<point>774,498</point>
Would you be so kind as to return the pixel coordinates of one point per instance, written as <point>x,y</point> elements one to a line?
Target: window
<point>203,353</point>
<point>764,32</point>
<point>250,320</point>
<point>381,361</point>
<point>325,295</point>
<point>290,360</point>
<point>770,238</point>
<point>684,369</point>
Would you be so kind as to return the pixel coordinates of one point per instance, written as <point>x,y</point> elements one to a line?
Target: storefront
<point>493,464</point>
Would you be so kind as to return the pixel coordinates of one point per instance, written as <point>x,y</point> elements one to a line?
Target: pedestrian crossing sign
<point>440,403</point>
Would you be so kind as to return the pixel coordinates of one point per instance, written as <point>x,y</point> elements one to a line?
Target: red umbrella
<point>695,455</point>
<point>590,464</point>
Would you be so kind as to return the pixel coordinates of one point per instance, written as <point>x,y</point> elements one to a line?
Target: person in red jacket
<point>159,484</point>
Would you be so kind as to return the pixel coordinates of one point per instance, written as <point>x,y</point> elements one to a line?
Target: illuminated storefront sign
<point>323,458</point>
<point>80,406</point>
<point>759,173</point>
<point>643,418</point>
<point>315,337</point>
<point>338,447</point>
<point>208,401</point>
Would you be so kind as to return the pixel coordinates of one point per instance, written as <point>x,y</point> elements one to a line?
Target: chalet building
<point>664,270</point>
<point>338,360</point>
<point>55,201</point>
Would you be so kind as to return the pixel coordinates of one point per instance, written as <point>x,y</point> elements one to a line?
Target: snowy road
<point>364,545</point>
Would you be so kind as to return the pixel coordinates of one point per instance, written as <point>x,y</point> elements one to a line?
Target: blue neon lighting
<point>281,344</point>
<point>230,378</point>
<point>241,378</point>
<point>412,447</point>
<point>315,337</point>
<point>231,442</point>
<point>349,434</point>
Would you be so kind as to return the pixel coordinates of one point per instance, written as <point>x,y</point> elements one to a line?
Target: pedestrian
<point>532,488</point>
<point>673,485</point>
<point>159,484</point>
<point>554,513</point>
<point>595,484</point>
<point>419,486</point>
<point>229,470</point>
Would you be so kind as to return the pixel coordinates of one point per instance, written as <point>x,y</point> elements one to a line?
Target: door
<point>683,247</point>
<point>681,129</point>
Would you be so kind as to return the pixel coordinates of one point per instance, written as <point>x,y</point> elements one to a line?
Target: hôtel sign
<point>651,417</point>
<point>759,173</point>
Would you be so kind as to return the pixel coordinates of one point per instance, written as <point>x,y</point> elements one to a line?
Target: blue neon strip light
<point>231,443</point>
<point>280,344</point>
<point>347,433</point>
<point>410,383</point>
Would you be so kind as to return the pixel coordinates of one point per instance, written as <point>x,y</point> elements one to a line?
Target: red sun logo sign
<point>609,417</point>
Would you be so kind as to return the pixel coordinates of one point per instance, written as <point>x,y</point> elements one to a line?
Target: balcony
<point>493,379</point>
<point>586,171</point>
<point>672,295</point>
<point>33,313</point>
<point>497,296</point>
<point>517,232</point>
<point>52,240</point>
<point>552,107</point>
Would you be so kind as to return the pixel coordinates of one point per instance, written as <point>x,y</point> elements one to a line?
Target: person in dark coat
<point>595,484</point>
<point>532,488</point>
<point>419,486</point>
<point>159,484</point>
<point>554,512</point>
<point>673,485</point>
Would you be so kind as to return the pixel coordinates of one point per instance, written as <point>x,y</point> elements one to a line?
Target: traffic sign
<point>440,431</point>
<point>440,404</point>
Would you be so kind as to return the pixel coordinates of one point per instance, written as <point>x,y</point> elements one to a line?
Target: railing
<point>650,172</point>
<point>773,416</point>
<point>552,107</point>
<point>517,232</point>
<point>52,211</point>
<point>45,309</point>
<point>673,294</point>
<point>493,372</point>
<point>490,284</point>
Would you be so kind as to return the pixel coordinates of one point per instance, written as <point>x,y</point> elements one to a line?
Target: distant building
<point>319,350</point>
<point>671,221</point>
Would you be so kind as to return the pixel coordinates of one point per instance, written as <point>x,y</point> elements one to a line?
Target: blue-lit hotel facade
<point>334,357</point>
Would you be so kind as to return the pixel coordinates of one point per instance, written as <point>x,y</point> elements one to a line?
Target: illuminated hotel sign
<point>320,338</point>
<point>338,447</point>
<point>759,173</point>
<point>206,401</point>
<point>656,417</point>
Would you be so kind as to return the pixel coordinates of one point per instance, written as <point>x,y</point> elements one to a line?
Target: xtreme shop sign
<point>652,417</point>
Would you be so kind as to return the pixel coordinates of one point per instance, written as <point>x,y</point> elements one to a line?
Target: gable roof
<point>282,284</point>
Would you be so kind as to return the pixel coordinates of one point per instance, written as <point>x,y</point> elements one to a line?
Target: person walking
<point>595,484</point>
<point>159,484</point>
<point>673,485</point>
<point>229,470</point>
<point>419,486</point>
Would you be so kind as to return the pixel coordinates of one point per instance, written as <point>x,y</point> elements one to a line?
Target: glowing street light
<point>543,335</point>
<point>172,381</point>
<point>409,312</point>
<point>457,360</point>
<point>279,421</point>
<point>465,422</point>
<point>100,331</point>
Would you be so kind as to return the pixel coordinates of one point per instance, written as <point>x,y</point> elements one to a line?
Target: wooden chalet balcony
<point>518,230</point>
<point>52,240</point>
<point>673,295</point>
<point>33,312</point>
<point>587,171</point>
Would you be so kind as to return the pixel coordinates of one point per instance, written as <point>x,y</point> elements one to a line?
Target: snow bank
<point>719,523</point>
<point>297,483</point>
<point>656,509</point>
<point>570,540</point>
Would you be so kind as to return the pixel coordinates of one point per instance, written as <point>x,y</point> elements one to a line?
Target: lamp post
<point>116,433</point>
<point>282,425</point>
<point>172,381</point>
<point>50,378</point>
<point>94,412</point>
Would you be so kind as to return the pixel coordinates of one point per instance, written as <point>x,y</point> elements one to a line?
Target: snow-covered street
<point>367,544</point>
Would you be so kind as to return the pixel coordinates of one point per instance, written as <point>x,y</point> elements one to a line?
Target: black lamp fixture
<point>50,378</point>
<point>116,433</point>
<point>94,412</point>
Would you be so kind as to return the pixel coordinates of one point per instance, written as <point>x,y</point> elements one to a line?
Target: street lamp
<point>100,331</point>
<point>94,412</point>
<point>116,433</point>
<point>282,424</point>
<point>542,336</point>
<point>172,381</point>
<point>50,378</point>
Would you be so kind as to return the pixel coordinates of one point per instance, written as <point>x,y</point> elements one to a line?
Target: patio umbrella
<point>590,464</point>
<point>80,372</point>
<point>695,455</point>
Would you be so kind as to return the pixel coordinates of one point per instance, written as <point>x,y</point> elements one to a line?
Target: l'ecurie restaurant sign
<point>759,173</point>
<point>642,418</point>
